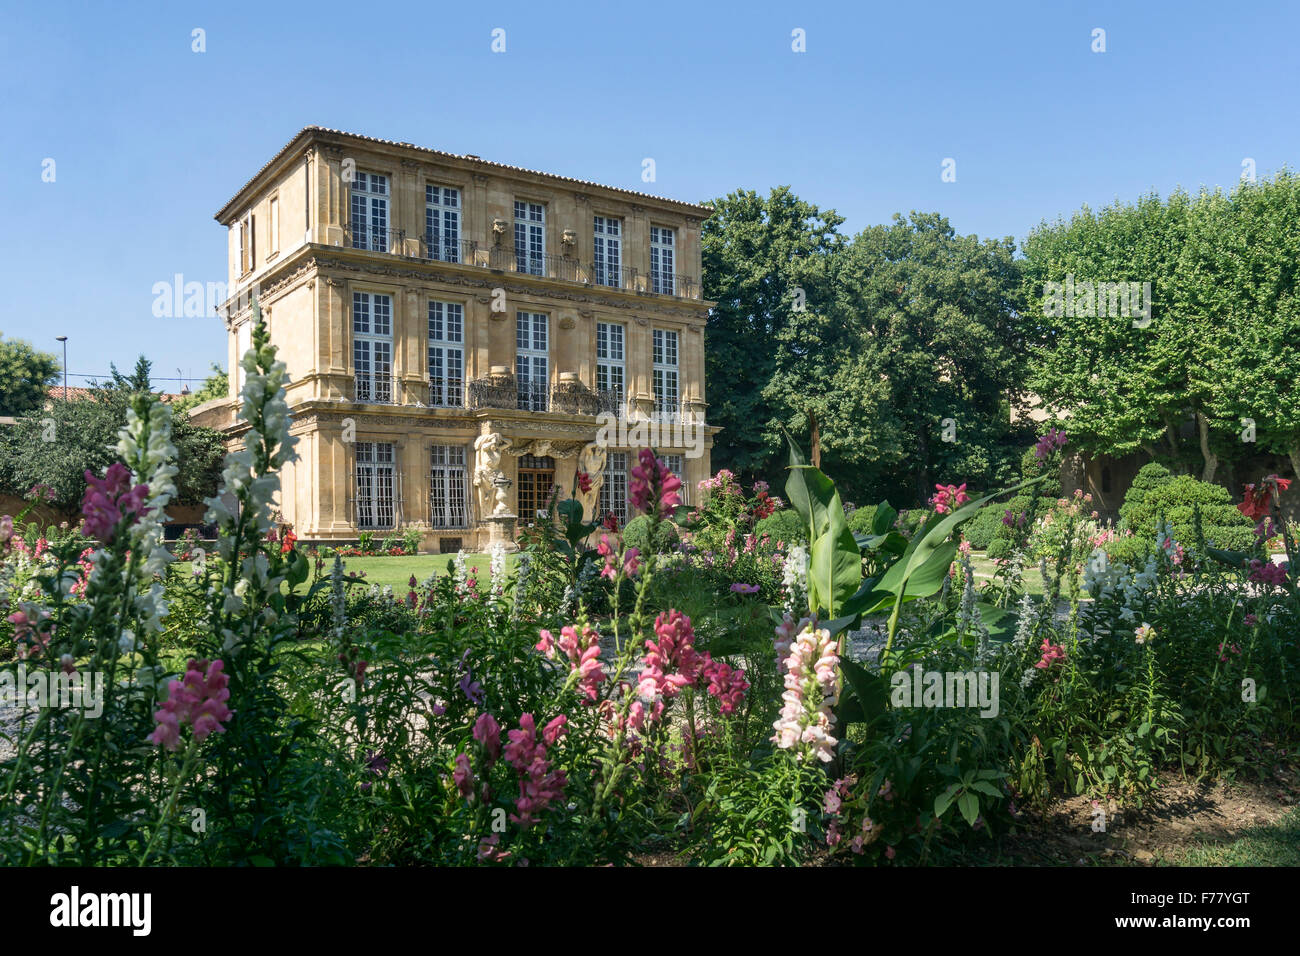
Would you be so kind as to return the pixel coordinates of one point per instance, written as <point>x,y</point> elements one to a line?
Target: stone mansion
<point>456,333</point>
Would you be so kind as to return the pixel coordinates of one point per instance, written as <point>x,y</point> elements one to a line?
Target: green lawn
<point>396,571</point>
<point>1275,844</point>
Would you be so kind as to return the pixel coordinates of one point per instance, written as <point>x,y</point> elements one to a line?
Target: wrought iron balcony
<point>493,393</point>
<point>458,251</point>
<point>376,390</point>
<point>533,396</point>
<point>445,393</point>
<point>612,401</point>
<point>504,259</point>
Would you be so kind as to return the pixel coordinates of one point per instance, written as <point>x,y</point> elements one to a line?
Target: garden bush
<point>861,518</point>
<point>637,534</point>
<point>786,526</point>
<point>981,529</point>
<point>1157,495</point>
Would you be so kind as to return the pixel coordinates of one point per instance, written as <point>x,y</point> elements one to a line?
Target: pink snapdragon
<point>812,687</point>
<point>463,776</point>
<point>30,633</point>
<point>1267,572</point>
<point>583,652</point>
<point>670,662</point>
<point>1051,654</point>
<point>653,487</point>
<point>539,786</point>
<point>488,732</point>
<point>110,499</point>
<point>199,699</point>
<point>725,683</point>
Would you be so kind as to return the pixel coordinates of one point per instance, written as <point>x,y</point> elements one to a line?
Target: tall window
<point>372,347</point>
<point>662,260</point>
<point>376,481</point>
<point>677,465</point>
<point>607,250</point>
<point>446,354</point>
<point>442,223</point>
<point>530,237</point>
<point>247,243</point>
<point>665,371</point>
<point>448,487</point>
<point>275,225</point>
<point>531,371</point>
<point>370,212</point>
<point>610,373</point>
<point>613,492</point>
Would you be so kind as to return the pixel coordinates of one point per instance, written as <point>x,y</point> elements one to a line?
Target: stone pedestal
<point>501,530</point>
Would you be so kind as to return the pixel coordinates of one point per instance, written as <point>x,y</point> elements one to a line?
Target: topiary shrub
<point>860,520</point>
<point>998,548</point>
<point>1176,498</point>
<point>983,528</point>
<point>636,535</point>
<point>787,526</point>
<point>1148,479</point>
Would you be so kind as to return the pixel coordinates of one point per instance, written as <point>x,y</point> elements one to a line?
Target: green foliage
<point>861,519</point>
<point>981,529</point>
<point>216,385</point>
<point>786,525</point>
<point>25,374</point>
<point>1176,500</point>
<point>637,532</point>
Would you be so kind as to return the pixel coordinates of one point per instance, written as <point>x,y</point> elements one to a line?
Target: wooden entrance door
<point>536,479</point>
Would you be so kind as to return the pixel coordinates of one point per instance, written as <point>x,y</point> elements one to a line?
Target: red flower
<point>584,482</point>
<point>287,545</point>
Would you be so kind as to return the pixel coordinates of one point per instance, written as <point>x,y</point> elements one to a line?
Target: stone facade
<point>423,301</point>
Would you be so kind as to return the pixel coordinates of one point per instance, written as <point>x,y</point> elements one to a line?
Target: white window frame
<point>368,201</point>
<point>442,222</point>
<point>611,360</point>
<point>663,260</point>
<point>448,487</point>
<point>613,490</point>
<point>532,360</point>
<point>607,251</point>
<point>375,480</point>
<point>372,347</point>
<point>530,237</point>
<point>446,354</point>
<point>666,348</point>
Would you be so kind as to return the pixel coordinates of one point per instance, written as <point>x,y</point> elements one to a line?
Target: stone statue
<point>592,461</point>
<point>489,479</point>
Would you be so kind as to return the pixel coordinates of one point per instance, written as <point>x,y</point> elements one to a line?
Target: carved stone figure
<point>592,461</point>
<point>489,479</point>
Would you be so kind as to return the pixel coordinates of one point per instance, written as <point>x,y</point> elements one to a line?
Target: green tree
<point>920,327</point>
<point>25,376</point>
<point>216,385</point>
<point>763,257</point>
<point>57,446</point>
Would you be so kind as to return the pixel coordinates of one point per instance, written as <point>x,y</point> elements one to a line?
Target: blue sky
<point>150,139</point>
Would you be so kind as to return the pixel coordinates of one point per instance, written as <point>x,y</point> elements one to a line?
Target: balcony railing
<point>565,268</point>
<point>612,401</point>
<point>445,394</point>
<point>533,396</point>
<point>490,393</point>
<point>459,251</point>
<point>392,241</point>
<point>375,390</point>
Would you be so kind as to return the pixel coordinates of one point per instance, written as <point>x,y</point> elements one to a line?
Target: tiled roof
<point>78,394</point>
<point>306,131</point>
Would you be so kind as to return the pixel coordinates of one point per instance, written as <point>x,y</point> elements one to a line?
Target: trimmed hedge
<point>787,525</point>
<point>860,520</point>
<point>981,530</point>
<point>637,531</point>
<point>1157,494</point>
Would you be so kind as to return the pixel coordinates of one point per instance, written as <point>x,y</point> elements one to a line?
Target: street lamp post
<point>64,340</point>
